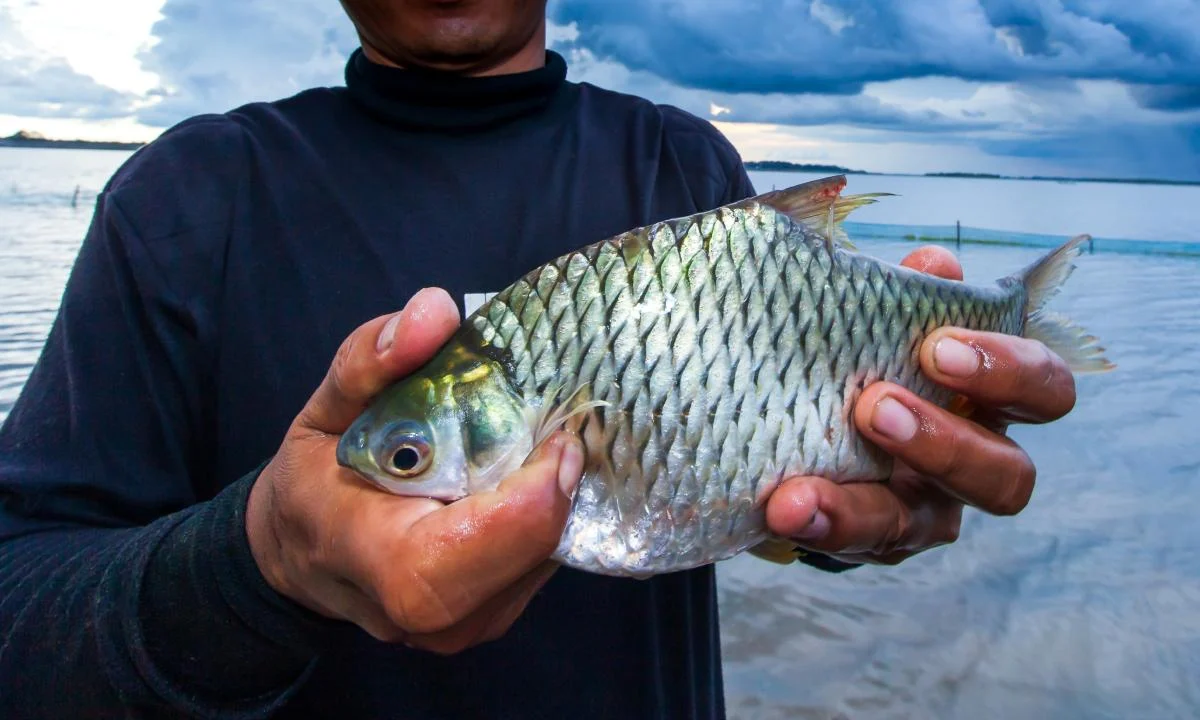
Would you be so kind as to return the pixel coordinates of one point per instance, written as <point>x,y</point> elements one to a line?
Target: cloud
<point>1166,152</point>
<point>839,46</point>
<point>35,85</point>
<point>878,84</point>
<point>780,108</point>
<point>990,81</point>
<point>1167,97</point>
<point>214,55</point>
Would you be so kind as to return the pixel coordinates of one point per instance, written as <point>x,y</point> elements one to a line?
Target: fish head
<point>453,428</point>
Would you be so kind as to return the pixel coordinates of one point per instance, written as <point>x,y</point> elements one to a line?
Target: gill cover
<point>453,428</point>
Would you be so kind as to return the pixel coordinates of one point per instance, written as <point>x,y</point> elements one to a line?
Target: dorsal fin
<point>819,206</point>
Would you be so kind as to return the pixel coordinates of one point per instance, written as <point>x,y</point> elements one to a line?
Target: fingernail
<point>388,334</point>
<point>816,528</point>
<point>955,359</point>
<point>894,420</point>
<point>570,466</point>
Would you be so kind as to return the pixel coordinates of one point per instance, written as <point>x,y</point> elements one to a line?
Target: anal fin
<point>777,550</point>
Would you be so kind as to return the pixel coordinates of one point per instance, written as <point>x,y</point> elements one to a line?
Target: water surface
<point>1087,605</point>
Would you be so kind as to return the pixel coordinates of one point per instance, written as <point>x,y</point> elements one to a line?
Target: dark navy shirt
<point>225,264</point>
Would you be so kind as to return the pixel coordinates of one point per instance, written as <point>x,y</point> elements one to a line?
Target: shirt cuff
<point>204,630</point>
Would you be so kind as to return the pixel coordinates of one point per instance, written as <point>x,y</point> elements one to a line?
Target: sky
<point>1022,87</point>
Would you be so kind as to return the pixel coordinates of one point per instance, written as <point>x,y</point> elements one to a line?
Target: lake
<point>1087,605</point>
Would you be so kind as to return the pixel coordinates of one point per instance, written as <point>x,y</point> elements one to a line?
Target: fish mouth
<point>352,448</point>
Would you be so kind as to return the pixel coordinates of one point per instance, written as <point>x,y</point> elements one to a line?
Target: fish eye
<point>407,455</point>
<point>406,459</point>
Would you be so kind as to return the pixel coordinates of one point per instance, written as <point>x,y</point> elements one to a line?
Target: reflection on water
<point>1087,605</point>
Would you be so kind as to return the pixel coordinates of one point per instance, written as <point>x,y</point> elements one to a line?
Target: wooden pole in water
<point>958,234</point>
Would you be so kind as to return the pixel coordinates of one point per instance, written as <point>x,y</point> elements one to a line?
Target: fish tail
<point>1042,281</point>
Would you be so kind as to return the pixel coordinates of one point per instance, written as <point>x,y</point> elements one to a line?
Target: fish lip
<point>352,444</point>
<point>342,454</point>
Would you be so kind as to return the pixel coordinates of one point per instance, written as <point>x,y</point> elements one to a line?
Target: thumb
<point>486,542</point>
<point>377,354</point>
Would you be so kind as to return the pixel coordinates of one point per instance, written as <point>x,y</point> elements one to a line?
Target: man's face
<point>457,35</point>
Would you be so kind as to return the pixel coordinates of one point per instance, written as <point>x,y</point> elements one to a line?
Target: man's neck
<point>530,57</point>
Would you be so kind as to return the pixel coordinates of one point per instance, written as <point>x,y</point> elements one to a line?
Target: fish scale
<point>701,360</point>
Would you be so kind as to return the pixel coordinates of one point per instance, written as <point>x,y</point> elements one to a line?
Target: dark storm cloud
<point>1167,152</point>
<point>1167,97</point>
<point>836,46</point>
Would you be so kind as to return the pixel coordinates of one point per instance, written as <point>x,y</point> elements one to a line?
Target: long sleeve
<point>126,587</point>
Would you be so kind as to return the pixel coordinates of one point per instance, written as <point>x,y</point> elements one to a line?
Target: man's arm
<point>123,590</point>
<point>119,588</point>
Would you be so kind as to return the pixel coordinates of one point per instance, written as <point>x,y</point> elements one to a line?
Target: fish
<point>701,360</point>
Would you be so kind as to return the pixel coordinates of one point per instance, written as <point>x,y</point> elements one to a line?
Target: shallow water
<point>1087,605</point>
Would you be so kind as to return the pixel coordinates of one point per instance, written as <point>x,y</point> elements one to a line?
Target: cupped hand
<point>411,570</point>
<point>944,462</point>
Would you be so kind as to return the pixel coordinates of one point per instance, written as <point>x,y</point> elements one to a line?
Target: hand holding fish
<point>405,569</point>
<point>945,461</point>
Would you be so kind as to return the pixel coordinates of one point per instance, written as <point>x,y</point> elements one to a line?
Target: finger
<point>463,554</point>
<point>491,621</point>
<point>974,465</point>
<point>377,354</point>
<point>934,260</point>
<point>861,518</point>
<point>1016,376</point>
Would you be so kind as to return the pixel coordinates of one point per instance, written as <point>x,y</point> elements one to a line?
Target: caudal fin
<point>1042,281</point>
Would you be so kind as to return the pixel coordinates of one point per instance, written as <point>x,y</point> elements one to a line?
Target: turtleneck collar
<point>442,101</point>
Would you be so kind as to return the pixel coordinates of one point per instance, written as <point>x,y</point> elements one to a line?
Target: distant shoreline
<point>27,140</point>
<point>783,166</point>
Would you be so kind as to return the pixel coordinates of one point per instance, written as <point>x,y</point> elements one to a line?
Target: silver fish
<point>701,360</point>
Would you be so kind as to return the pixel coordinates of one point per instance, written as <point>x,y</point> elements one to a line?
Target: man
<point>177,538</point>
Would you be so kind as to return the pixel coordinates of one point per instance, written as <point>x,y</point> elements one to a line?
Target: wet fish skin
<point>702,360</point>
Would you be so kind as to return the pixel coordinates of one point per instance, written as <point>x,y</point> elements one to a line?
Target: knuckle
<point>497,631</point>
<point>947,459</point>
<point>1045,368</point>
<point>1035,370</point>
<point>1018,488</point>
<point>893,559</point>
<point>898,530</point>
<point>386,632</point>
<point>1066,394</point>
<point>344,352</point>
<point>443,645</point>
<point>339,369</point>
<point>418,608</point>
<point>951,529</point>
